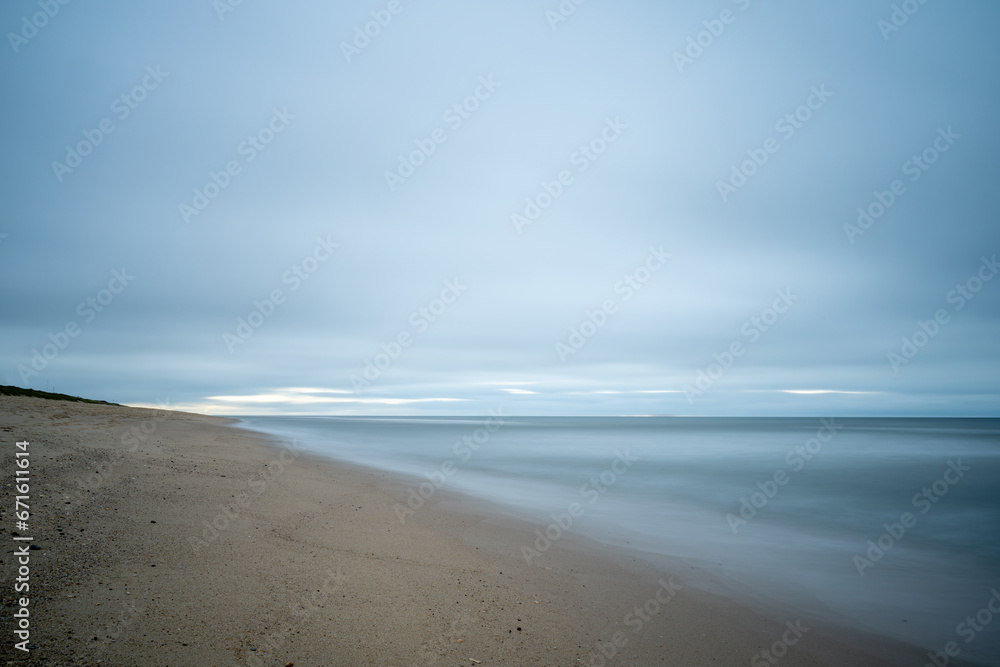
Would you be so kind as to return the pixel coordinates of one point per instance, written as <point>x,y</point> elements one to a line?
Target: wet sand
<point>170,538</point>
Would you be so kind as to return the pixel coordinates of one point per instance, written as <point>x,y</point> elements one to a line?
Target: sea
<point>889,525</point>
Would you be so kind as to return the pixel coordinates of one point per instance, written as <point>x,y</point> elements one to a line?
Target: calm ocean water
<point>891,525</point>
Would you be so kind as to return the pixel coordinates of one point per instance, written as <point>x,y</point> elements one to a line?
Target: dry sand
<point>315,568</point>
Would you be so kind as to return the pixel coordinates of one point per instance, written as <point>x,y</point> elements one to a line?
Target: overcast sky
<point>634,208</point>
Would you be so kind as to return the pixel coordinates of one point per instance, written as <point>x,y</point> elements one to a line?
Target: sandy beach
<point>169,538</point>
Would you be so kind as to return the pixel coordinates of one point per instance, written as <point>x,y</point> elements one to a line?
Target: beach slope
<point>169,538</point>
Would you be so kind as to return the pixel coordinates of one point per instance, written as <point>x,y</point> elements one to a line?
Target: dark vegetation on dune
<point>34,393</point>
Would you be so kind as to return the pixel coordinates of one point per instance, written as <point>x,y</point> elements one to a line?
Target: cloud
<point>249,264</point>
<point>815,391</point>
<point>291,399</point>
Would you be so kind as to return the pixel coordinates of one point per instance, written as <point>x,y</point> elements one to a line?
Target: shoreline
<point>175,538</point>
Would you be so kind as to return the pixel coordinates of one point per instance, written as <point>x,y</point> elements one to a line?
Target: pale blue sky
<point>669,137</point>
